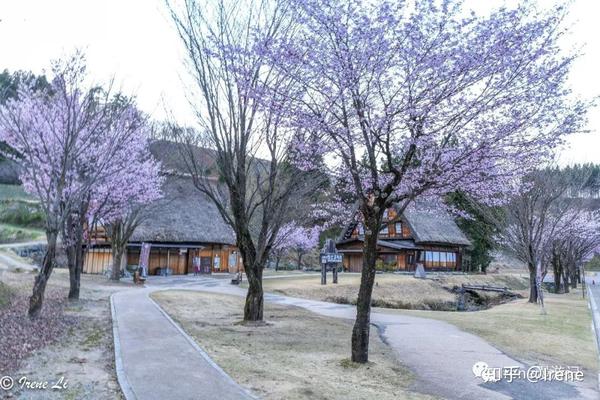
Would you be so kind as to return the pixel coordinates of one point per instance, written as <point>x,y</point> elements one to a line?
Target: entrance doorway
<point>205,264</point>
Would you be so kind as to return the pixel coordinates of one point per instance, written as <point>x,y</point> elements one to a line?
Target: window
<point>428,258</point>
<point>385,230</point>
<point>389,259</point>
<point>439,259</point>
<point>398,227</point>
<point>451,260</point>
<point>436,259</point>
<point>361,229</point>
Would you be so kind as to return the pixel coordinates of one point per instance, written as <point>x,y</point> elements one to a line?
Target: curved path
<point>156,359</point>
<point>441,355</point>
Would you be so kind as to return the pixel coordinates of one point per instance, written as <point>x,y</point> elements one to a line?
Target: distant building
<point>184,228</point>
<point>430,238</point>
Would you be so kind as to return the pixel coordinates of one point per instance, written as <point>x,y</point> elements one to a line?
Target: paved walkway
<point>441,355</point>
<point>592,280</point>
<point>156,360</point>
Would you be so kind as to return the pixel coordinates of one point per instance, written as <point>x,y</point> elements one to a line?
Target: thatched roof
<point>171,155</point>
<point>427,227</point>
<point>183,215</point>
<point>434,227</point>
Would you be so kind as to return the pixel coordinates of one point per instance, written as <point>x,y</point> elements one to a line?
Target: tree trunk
<point>253,266</point>
<point>277,259</point>
<point>75,275</point>
<point>556,271</point>
<point>533,295</point>
<point>73,280</point>
<point>116,263</point>
<point>360,332</point>
<point>39,287</point>
<point>299,260</point>
<point>75,261</point>
<point>573,274</point>
<point>566,280</point>
<point>253,309</point>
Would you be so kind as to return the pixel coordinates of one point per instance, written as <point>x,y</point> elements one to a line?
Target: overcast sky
<point>134,41</point>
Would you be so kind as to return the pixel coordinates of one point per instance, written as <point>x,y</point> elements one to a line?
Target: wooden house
<point>184,228</point>
<point>430,238</point>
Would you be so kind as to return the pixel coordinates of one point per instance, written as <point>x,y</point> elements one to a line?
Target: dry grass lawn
<point>391,290</point>
<point>297,355</point>
<point>563,336</point>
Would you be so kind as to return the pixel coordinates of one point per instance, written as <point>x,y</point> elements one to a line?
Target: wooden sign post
<point>329,258</point>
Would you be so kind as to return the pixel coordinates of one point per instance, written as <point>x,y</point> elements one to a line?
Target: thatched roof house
<point>185,230</point>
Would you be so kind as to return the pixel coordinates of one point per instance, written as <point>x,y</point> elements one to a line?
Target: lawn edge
<point>196,346</point>
<point>126,388</point>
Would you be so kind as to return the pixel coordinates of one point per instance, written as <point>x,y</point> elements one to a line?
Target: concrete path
<point>155,359</point>
<point>440,354</point>
<point>593,285</point>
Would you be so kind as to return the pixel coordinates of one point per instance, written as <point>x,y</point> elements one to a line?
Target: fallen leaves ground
<point>20,336</point>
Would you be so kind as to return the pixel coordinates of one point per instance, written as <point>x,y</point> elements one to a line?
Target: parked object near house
<point>431,238</point>
<point>184,230</point>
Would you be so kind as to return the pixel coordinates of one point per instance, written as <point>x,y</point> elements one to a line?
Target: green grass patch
<point>14,192</point>
<point>14,234</point>
<point>21,213</point>
<point>93,339</point>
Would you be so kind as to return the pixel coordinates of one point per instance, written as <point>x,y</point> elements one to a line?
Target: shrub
<point>21,213</point>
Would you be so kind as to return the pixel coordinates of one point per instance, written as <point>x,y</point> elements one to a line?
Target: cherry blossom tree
<point>130,180</point>
<point>576,237</point>
<point>412,101</point>
<point>68,137</point>
<point>540,218</point>
<point>297,239</point>
<point>123,202</point>
<point>252,179</point>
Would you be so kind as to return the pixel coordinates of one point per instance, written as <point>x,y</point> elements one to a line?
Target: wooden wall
<point>96,261</point>
<point>352,262</point>
<point>180,260</point>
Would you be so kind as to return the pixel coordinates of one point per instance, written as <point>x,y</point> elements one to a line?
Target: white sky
<point>135,42</point>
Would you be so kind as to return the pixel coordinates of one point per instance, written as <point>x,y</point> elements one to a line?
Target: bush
<point>9,234</point>
<point>21,213</point>
<point>383,267</point>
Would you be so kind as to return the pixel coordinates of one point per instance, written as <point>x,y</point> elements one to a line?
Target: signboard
<point>331,258</point>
